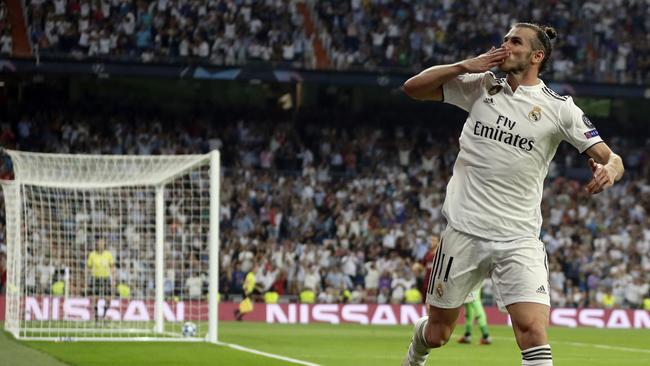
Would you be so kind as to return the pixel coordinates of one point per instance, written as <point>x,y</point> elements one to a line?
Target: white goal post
<point>156,217</point>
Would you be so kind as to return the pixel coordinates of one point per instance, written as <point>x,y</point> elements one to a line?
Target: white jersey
<point>506,146</point>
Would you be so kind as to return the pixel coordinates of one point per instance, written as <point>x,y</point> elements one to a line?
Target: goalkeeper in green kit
<point>474,310</point>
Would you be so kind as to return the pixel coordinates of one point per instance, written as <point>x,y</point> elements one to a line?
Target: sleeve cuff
<point>587,148</point>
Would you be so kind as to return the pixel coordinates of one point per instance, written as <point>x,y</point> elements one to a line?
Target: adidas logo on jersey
<point>541,290</point>
<point>489,101</point>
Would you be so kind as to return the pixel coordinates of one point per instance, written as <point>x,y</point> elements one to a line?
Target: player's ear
<point>538,56</point>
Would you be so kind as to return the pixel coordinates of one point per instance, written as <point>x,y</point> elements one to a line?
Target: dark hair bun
<point>550,32</point>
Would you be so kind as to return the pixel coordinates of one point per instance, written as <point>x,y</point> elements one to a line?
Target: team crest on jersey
<point>535,114</point>
<point>495,89</point>
<point>439,290</point>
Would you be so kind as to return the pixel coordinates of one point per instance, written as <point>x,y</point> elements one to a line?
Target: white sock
<point>537,356</point>
<point>418,349</point>
<point>422,342</point>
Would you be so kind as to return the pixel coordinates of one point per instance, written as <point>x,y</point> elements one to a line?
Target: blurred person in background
<point>101,268</point>
<point>474,311</point>
<point>250,288</point>
<point>646,302</point>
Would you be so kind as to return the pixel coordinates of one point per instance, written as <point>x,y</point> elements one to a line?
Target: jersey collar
<point>527,89</point>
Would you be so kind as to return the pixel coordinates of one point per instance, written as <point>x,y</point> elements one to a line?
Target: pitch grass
<point>326,344</point>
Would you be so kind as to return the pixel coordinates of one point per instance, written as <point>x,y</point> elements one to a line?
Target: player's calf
<point>529,323</point>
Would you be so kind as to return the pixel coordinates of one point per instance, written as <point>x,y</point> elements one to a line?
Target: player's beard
<point>517,66</point>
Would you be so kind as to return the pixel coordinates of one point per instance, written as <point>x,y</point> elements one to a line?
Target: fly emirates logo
<point>503,133</point>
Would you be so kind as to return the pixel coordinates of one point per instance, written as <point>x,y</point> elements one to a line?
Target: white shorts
<point>518,269</point>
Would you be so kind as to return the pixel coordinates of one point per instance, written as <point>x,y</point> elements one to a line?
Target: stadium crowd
<point>5,31</point>
<point>350,214</point>
<point>610,43</point>
<point>218,32</point>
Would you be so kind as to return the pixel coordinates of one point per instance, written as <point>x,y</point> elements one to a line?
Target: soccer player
<point>492,205</point>
<point>474,310</point>
<point>250,288</point>
<point>102,268</point>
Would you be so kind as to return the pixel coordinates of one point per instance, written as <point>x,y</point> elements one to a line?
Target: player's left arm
<point>606,167</point>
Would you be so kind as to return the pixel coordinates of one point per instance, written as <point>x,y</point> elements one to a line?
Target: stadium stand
<point>217,32</point>
<point>5,31</point>
<point>365,35</point>
<point>349,213</point>
<point>414,35</point>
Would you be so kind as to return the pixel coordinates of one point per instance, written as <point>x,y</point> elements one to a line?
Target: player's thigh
<point>528,314</point>
<point>459,267</point>
<point>520,273</point>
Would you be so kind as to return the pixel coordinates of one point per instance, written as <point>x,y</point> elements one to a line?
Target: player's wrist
<point>615,166</point>
<point>611,172</point>
<point>462,67</point>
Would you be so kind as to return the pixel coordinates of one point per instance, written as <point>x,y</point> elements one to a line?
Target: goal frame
<point>14,215</point>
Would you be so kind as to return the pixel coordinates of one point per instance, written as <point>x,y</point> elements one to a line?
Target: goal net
<point>112,247</point>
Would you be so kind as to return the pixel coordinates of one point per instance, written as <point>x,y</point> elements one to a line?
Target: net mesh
<point>61,209</point>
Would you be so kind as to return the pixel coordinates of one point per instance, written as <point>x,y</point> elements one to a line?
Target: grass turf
<point>345,344</point>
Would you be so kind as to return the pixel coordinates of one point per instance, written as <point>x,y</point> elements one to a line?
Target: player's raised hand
<point>604,177</point>
<point>486,61</point>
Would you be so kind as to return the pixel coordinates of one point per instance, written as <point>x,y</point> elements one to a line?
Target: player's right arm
<point>427,85</point>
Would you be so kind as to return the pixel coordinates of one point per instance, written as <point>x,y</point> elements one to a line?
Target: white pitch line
<point>266,354</point>
<point>594,345</point>
<point>604,346</point>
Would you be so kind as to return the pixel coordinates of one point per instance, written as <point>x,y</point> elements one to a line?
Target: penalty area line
<point>266,354</point>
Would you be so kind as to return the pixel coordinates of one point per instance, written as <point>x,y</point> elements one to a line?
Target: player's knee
<point>438,336</point>
<point>534,331</point>
<point>537,331</point>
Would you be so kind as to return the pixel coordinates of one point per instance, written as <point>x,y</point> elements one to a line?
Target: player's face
<point>518,43</point>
